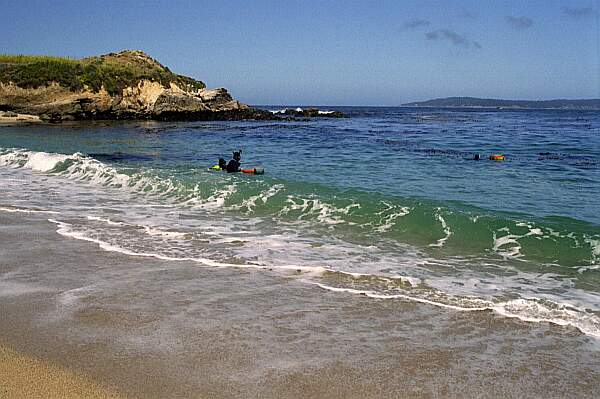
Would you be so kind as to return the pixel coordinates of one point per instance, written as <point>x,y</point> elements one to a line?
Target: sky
<point>334,52</point>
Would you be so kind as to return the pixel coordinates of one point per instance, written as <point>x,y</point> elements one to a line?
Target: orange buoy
<point>255,171</point>
<point>497,157</point>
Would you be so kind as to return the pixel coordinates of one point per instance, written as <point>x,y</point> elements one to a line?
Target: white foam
<point>388,217</point>
<point>264,196</point>
<point>149,230</point>
<point>65,229</point>
<point>283,111</point>
<point>413,281</point>
<point>500,246</point>
<point>84,168</point>
<point>445,227</point>
<point>373,294</point>
<point>534,310</point>
<point>15,158</point>
<point>22,210</point>
<point>34,160</point>
<point>152,231</point>
<point>323,212</point>
<point>105,220</point>
<point>508,246</point>
<point>526,309</point>
<point>43,161</point>
<point>215,201</point>
<point>584,269</point>
<point>595,246</point>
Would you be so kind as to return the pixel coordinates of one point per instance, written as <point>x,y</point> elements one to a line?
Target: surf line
<point>499,308</point>
<point>64,230</point>
<point>372,294</point>
<point>23,210</point>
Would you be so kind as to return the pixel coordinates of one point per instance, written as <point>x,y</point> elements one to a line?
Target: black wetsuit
<point>233,166</point>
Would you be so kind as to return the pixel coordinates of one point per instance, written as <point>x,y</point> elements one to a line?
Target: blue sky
<point>335,52</point>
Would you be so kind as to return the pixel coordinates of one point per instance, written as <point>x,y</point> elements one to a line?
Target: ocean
<point>387,204</point>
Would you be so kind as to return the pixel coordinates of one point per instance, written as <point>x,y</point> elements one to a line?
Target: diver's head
<point>237,155</point>
<point>222,163</point>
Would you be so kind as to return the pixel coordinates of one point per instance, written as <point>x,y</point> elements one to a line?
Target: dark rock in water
<point>224,115</point>
<point>309,113</point>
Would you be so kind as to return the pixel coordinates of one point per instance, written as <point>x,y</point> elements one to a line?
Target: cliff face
<point>125,85</point>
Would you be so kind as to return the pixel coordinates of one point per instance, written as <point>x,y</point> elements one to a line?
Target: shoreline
<point>154,328</point>
<point>499,108</point>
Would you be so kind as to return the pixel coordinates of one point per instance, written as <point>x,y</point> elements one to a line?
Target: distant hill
<point>472,102</point>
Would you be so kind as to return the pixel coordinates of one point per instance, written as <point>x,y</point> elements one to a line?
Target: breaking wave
<point>447,255</point>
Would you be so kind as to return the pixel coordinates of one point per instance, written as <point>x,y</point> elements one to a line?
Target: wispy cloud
<point>520,23</point>
<point>416,23</point>
<point>575,12</point>
<point>455,38</point>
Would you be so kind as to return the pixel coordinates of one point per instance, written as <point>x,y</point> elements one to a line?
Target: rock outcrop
<point>125,85</point>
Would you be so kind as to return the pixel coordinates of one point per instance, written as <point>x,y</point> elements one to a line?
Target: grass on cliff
<point>114,72</point>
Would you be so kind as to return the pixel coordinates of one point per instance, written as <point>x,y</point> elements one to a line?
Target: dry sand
<point>26,377</point>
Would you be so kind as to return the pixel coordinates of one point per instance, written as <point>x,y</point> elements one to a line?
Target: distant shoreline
<point>473,102</point>
<point>432,106</point>
<point>499,108</point>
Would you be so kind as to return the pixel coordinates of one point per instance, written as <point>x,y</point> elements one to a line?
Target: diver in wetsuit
<point>222,165</point>
<point>234,164</point>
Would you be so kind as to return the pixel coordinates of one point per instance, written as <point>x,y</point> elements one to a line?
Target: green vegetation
<point>113,71</point>
<point>28,59</point>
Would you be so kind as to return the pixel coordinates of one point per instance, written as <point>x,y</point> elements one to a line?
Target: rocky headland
<point>124,85</point>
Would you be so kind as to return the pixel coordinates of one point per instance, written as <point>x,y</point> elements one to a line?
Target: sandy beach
<point>25,377</point>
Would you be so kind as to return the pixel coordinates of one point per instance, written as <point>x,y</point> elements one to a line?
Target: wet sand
<point>153,328</point>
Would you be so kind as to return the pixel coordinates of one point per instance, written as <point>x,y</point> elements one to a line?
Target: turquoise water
<point>386,203</point>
